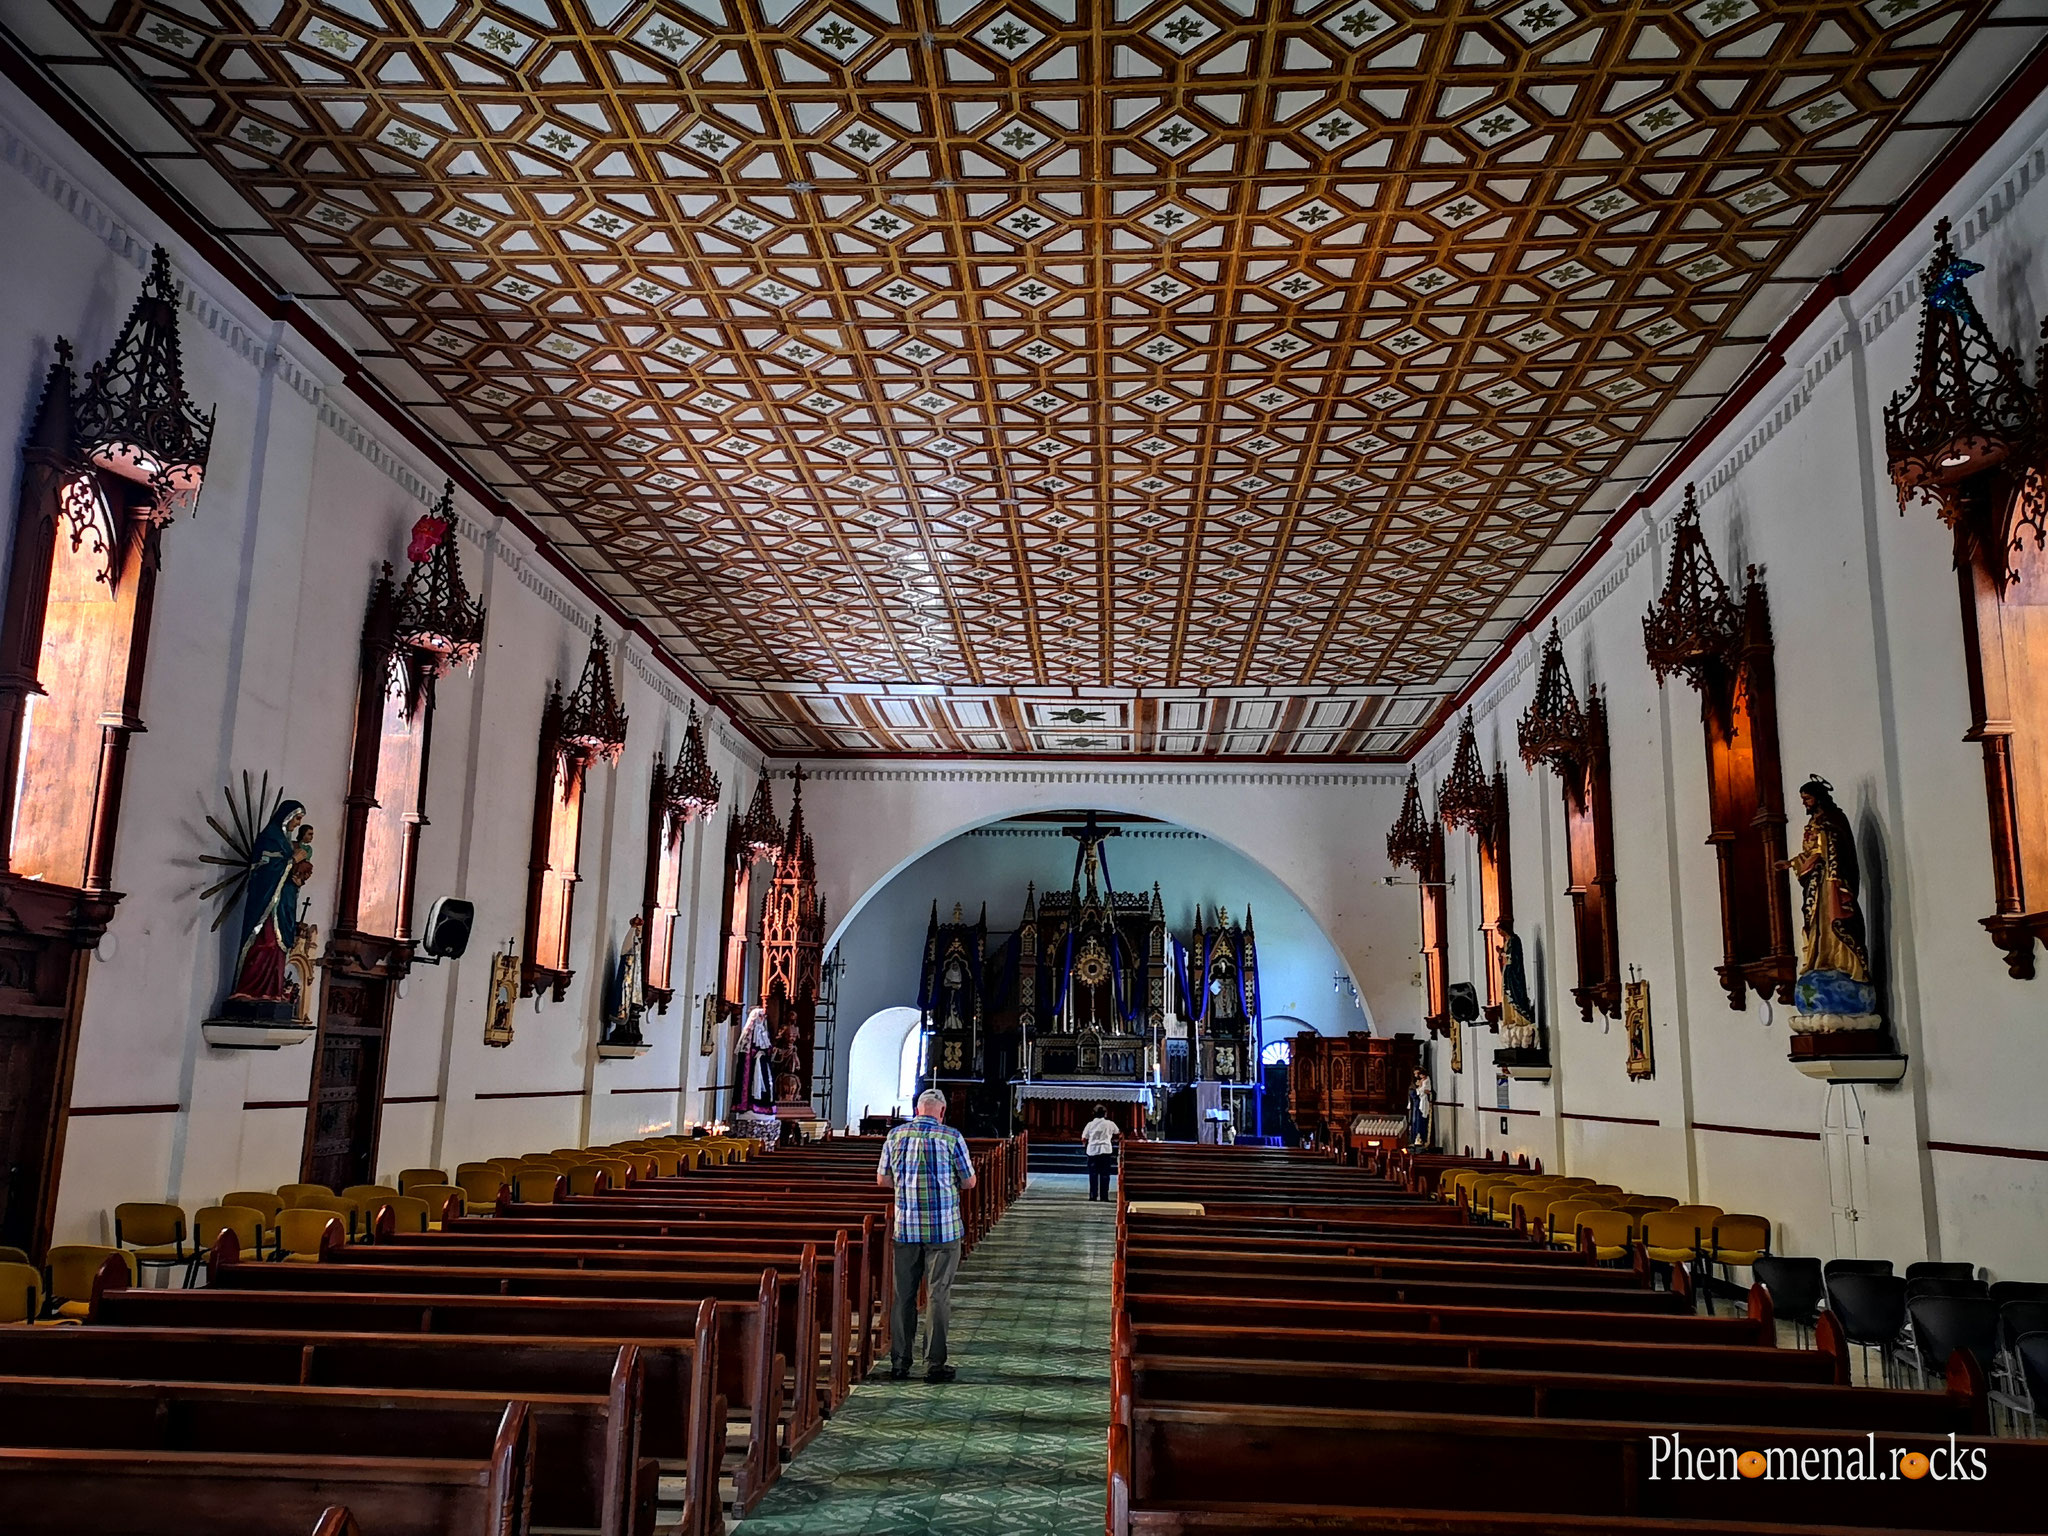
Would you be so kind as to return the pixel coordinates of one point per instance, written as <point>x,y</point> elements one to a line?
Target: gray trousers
<point>934,1263</point>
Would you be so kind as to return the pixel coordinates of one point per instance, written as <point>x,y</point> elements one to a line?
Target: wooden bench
<point>796,1336</point>
<point>435,1250</point>
<point>751,1370</point>
<point>681,1415</point>
<point>1666,1326</point>
<point>586,1472</point>
<point>1506,1393</point>
<point>1536,1294</point>
<point>68,1492</point>
<point>1325,1457</point>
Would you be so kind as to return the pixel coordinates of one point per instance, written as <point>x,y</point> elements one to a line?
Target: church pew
<point>834,1303</point>
<point>69,1492</point>
<point>680,1414</point>
<point>1507,1269</point>
<point>1194,1307</point>
<point>1444,1248</point>
<point>1329,1457</point>
<point>1477,1351</point>
<point>1140,1280</point>
<point>751,1369</point>
<point>586,1471</point>
<point>1497,1393</point>
<point>797,1338</point>
<point>866,1242</point>
<point>1247,1519</point>
<point>874,1248</point>
<point>1447,1226</point>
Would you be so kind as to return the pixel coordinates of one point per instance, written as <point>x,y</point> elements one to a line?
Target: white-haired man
<point>926,1162</point>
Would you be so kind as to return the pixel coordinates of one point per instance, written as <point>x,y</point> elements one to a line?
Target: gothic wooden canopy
<point>1192,377</point>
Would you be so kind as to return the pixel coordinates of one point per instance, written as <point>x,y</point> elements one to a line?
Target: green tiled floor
<point>1015,1446</point>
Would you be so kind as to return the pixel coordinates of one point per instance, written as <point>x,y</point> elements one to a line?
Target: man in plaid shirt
<point>925,1161</point>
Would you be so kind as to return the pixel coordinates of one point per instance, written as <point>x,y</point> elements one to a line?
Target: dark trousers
<point>1101,1169</point>
<point>933,1263</point>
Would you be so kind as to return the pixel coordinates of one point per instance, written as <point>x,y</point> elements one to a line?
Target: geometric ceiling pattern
<point>1199,377</point>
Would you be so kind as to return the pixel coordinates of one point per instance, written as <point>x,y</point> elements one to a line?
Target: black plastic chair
<point>1835,1267</point>
<point>1942,1285</point>
<point>1795,1289</point>
<point>2003,1291</point>
<point>1936,1269</point>
<point>2032,1352</point>
<point>2019,1318</point>
<point>1944,1324</point>
<point>1871,1309</point>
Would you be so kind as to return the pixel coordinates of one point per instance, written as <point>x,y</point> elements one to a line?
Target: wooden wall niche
<point>413,634</point>
<point>575,732</point>
<point>1724,649</point>
<point>107,465</point>
<point>681,794</point>
<point>1416,842</point>
<point>1572,740</point>
<point>749,839</point>
<point>1469,798</point>
<point>1971,436</point>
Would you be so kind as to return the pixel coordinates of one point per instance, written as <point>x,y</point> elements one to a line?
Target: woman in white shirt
<point>1098,1139</point>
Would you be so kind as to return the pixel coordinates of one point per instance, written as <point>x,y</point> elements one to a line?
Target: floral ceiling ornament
<point>438,620</point>
<point>593,721</point>
<point>133,417</point>
<point>1962,435</point>
<point>1553,728</point>
<point>1695,626</point>
<point>1408,838</point>
<point>693,789</point>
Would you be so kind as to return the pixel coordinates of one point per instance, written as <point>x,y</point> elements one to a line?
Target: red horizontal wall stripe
<point>1572,1114</point>
<point>537,1093</point>
<point>125,1109</point>
<point>1757,1130</point>
<point>2025,1154</point>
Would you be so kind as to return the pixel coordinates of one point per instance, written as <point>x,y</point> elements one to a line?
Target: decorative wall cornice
<point>1119,777</point>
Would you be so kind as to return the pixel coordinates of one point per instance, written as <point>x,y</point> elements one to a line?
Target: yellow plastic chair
<point>367,1195</point>
<point>409,1213</point>
<point>642,1163</point>
<point>667,1162</point>
<point>480,1183</point>
<point>289,1193</point>
<point>21,1293</point>
<point>1612,1233</point>
<point>349,1211</point>
<point>1527,1207</point>
<point>246,1223</point>
<point>437,1196</point>
<point>10,1255</point>
<point>1680,1235</point>
<point>576,1154</point>
<point>535,1186</point>
<point>155,1232</point>
<point>1561,1221</point>
<point>1737,1242</point>
<point>304,1230</point>
<point>617,1169</point>
<point>73,1267</point>
<point>407,1177</point>
<point>583,1179</point>
<point>265,1200</point>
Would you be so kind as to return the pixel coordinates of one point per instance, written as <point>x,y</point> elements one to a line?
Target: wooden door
<point>30,1060</point>
<point>347,1098</point>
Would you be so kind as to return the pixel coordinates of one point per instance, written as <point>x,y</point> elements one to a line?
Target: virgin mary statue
<point>1834,989</point>
<point>756,1073</point>
<point>280,864</point>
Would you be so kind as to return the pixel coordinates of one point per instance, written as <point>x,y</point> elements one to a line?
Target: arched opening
<point>882,1064</point>
<point>990,872</point>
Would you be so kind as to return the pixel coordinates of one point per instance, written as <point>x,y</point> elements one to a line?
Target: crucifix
<point>1091,836</point>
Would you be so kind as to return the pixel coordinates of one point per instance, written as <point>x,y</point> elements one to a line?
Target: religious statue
<point>628,994</point>
<point>504,993</point>
<point>755,1090</point>
<point>787,1057</point>
<point>1517,1015</point>
<point>1635,1014</point>
<point>1834,990</point>
<point>270,856</point>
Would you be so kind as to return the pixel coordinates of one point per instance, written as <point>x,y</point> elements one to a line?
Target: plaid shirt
<point>928,1161</point>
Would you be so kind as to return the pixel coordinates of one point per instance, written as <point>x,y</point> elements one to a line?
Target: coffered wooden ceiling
<point>1037,376</point>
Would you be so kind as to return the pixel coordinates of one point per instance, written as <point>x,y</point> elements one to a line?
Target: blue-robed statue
<point>281,863</point>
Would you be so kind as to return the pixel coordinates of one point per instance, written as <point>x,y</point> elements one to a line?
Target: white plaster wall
<point>882,946</point>
<point>1871,695</point>
<point>253,667</point>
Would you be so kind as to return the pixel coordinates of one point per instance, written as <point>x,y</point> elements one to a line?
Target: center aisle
<point>1015,1447</point>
